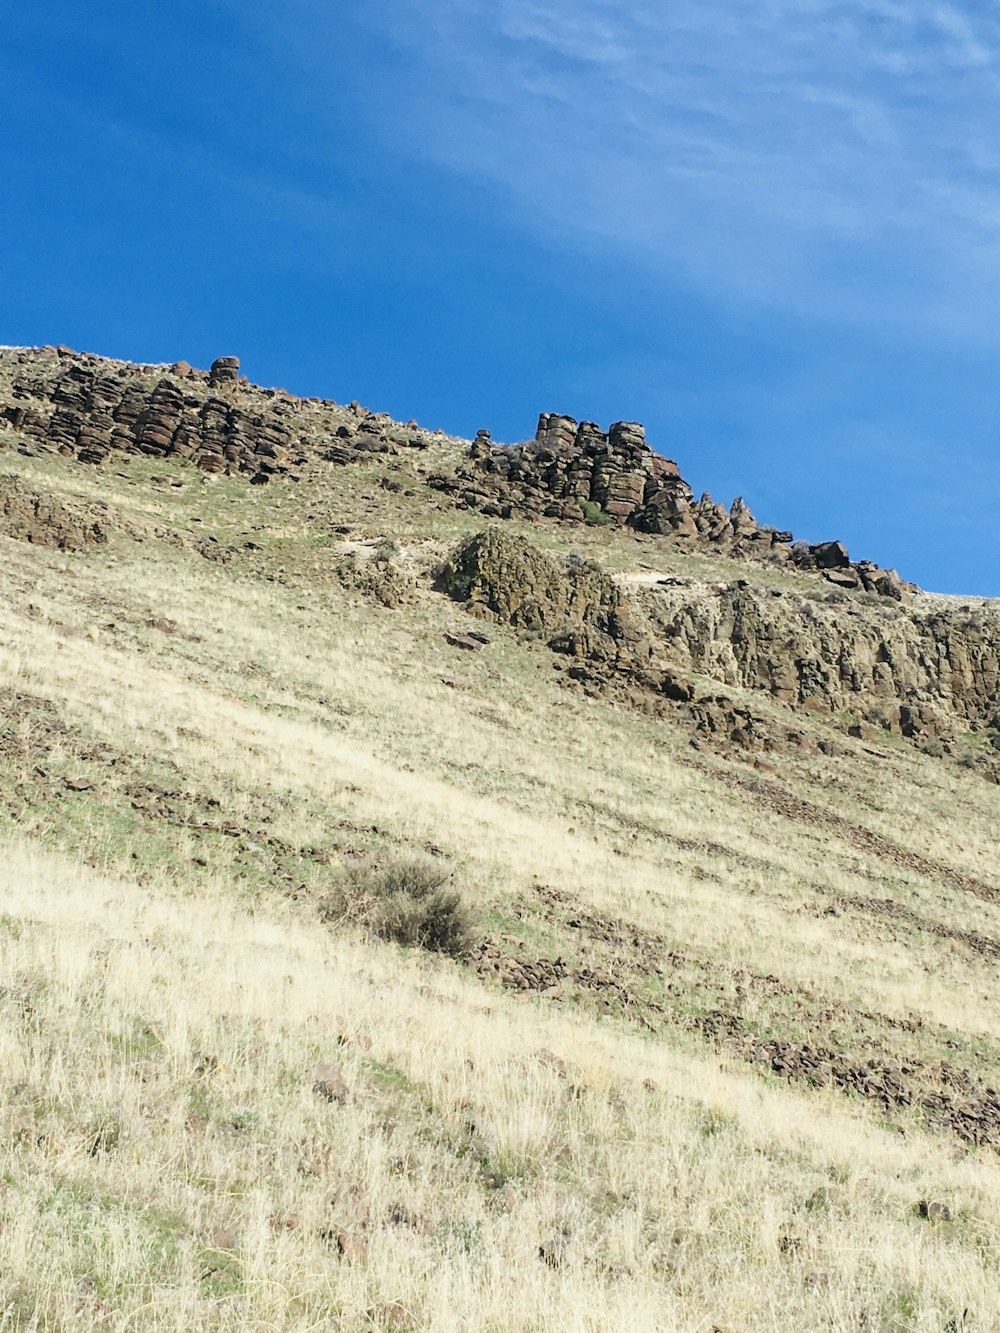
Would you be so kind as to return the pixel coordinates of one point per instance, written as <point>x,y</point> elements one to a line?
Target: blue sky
<point>771,231</point>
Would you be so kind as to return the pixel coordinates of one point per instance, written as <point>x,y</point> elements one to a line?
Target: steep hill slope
<point>723,1049</point>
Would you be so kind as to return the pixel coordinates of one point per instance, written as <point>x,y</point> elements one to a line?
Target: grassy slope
<point>238,730</point>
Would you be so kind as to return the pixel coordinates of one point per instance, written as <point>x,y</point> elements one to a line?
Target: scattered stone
<point>553,1061</point>
<point>360,1040</point>
<point>554,1251</point>
<point>328,1082</point>
<point>352,1247</point>
<point>394,1315</point>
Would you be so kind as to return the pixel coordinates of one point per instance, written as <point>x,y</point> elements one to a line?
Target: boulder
<point>830,555</point>
<point>225,372</point>
<point>575,605</point>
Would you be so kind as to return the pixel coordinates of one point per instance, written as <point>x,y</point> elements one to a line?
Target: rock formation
<point>577,472</point>
<point>926,675</point>
<point>575,605</point>
<point>89,407</point>
<point>44,520</point>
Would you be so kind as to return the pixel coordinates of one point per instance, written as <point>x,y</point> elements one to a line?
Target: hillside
<point>721,1050</point>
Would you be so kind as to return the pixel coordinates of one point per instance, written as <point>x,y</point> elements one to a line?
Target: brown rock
<point>225,371</point>
<point>554,1062</point>
<point>554,1251</point>
<point>843,577</point>
<point>830,555</point>
<point>352,1247</point>
<point>328,1082</point>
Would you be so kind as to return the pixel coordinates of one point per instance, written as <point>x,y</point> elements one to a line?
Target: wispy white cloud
<point>833,156</point>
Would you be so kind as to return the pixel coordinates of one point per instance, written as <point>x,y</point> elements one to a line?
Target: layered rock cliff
<point>851,642</point>
<point>89,407</point>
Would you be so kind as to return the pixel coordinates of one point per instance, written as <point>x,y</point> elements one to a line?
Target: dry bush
<point>407,901</point>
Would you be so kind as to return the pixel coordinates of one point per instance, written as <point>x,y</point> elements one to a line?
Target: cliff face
<point>924,673</point>
<point>928,674</point>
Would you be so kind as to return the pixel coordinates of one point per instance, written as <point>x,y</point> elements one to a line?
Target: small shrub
<point>406,901</point>
<point>593,514</point>
<point>385,550</point>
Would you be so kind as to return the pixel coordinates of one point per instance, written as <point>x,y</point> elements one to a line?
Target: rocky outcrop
<point>577,472</point>
<point>922,673</point>
<point>928,675</point>
<point>225,372</point>
<point>89,408</point>
<point>44,520</point>
<point>574,605</point>
<point>573,472</point>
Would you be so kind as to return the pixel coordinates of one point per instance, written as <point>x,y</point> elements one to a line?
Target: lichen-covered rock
<point>45,520</point>
<point>921,673</point>
<point>377,574</point>
<point>574,605</point>
<point>926,674</point>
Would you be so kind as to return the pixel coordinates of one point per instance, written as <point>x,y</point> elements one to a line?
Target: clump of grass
<point>594,515</point>
<point>406,900</point>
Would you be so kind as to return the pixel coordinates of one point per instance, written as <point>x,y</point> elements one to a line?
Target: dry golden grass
<point>136,952</point>
<point>712,1198</point>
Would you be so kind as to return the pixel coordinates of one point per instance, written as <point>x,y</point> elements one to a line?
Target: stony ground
<point>722,1054</point>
